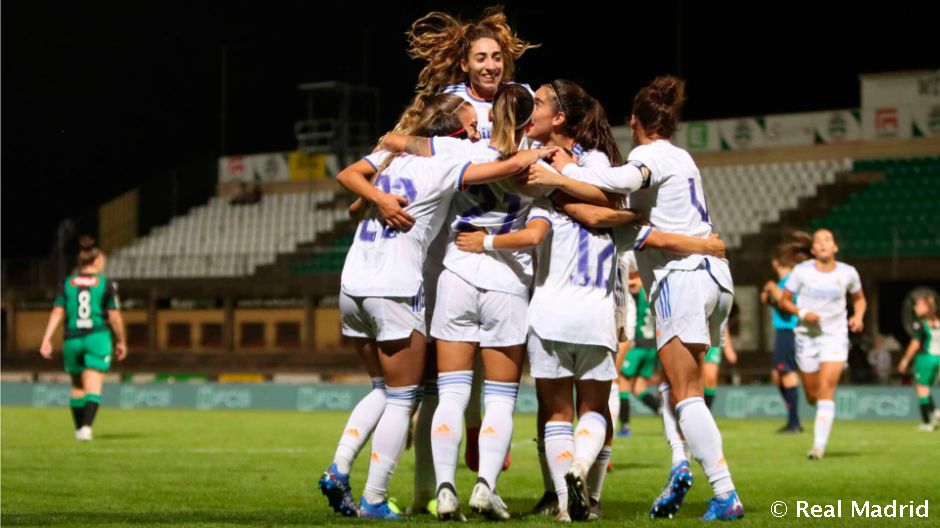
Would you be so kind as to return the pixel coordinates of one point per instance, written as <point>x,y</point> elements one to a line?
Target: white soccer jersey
<point>824,293</point>
<point>673,198</point>
<point>496,208</point>
<point>482,107</point>
<point>574,295</point>
<point>385,262</point>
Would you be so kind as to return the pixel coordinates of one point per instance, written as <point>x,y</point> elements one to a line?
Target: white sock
<point>362,421</point>
<point>825,415</point>
<point>614,400</point>
<point>447,425</point>
<point>543,465</point>
<point>671,428</point>
<point>559,450</point>
<point>598,473</point>
<point>388,442</point>
<point>701,432</point>
<point>499,400</point>
<point>589,438</point>
<point>424,458</point>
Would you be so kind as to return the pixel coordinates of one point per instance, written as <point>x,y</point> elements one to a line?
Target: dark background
<point>99,98</point>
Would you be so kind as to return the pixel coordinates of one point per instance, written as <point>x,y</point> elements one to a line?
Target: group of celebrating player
<point>499,223</point>
<point>493,221</point>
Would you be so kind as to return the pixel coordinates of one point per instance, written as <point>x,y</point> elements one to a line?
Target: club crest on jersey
<point>84,282</point>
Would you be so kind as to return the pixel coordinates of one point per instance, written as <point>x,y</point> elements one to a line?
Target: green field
<point>234,468</point>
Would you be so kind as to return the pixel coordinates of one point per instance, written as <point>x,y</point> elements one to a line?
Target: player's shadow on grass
<point>843,454</point>
<point>253,517</point>
<point>120,436</point>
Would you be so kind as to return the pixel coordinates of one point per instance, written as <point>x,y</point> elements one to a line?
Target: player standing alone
<point>90,305</point>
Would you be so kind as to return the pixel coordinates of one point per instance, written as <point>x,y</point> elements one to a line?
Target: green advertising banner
<point>852,402</point>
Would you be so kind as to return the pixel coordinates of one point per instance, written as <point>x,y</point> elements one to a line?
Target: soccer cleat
<point>562,517</point>
<point>595,513</point>
<point>83,434</point>
<point>670,499</point>
<point>335,486</point>
<point>579,505</point>
<point>625,431</point>
<point>487,503</point>
<point>381,511</point>
<point>926,427</point>
<point>448,507</point>
<point>814,454</point>
<point>418,508</point>
<point>727,509</point>
<point>790,429</point>
<point>935,418</point>
<point>508,461</point>
<point>548,504</point>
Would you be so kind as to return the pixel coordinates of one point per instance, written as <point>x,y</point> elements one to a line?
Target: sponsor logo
<point>330,399</point>
<point>134,397</point>
<point>583,432</point>
<point>742,134</point>
<point>886,122</point>
<point>85,282</point>
<point>837,127</point>
<point>50,396</point>
<point>567,455</point>
<point>489,430</point>
<point>353,432</point>
<point>375,457</point>
<point>698,136</point>
<point>443,430</point>
<point>213,398</point>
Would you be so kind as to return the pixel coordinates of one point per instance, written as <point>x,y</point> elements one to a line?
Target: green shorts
<point>639,362</point>
<point>925,369</point>
<point>89,351</point>
<point>713,355</point>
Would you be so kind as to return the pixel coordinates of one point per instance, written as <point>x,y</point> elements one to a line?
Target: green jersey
<point>645,322</point>
<point>926,331</point>
<point>87,299</point>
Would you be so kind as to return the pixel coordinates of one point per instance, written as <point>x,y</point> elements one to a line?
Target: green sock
<point>92,401</point>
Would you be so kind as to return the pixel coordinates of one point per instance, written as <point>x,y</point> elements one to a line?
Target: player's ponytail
<point>656,106</point>
<point>430,115</point>
<point>88,251</point>
<point>585,119</point>
<point>512,113</point>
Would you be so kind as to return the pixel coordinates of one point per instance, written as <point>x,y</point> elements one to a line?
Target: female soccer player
<point>469,59</point>
<point>381,299</point>
<point>822,337</point>
<point>481,302</point>
<point>692,294</point>
<point>787,255</point>
<point>90,305</point>
<point>925,350</point>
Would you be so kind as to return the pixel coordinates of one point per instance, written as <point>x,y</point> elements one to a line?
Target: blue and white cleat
<point>380,511</point>
<point>728,509</point>
<point>670,500</point>
<point>335,486</point>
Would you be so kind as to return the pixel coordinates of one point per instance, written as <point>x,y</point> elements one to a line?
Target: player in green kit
<point>710,367</point>
<point>90,305</point>
<point>641,360</point>
<point>925,350</point>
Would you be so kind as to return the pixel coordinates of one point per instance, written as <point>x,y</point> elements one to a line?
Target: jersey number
<point>84,310</point>
<point>582,277</point>
<point>404,187</point>
<point>701,207</point>
<point>488,202</point>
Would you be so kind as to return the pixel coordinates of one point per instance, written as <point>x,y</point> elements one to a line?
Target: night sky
<point>99,97</point>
